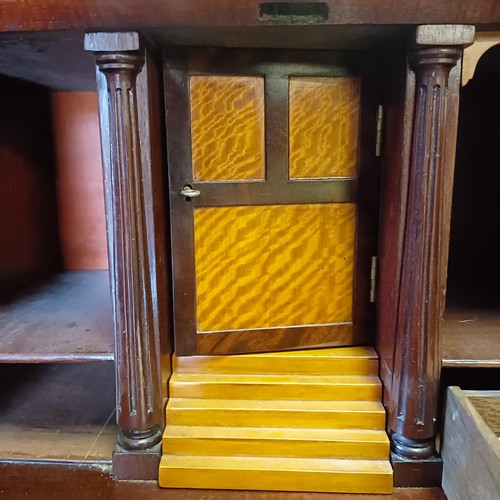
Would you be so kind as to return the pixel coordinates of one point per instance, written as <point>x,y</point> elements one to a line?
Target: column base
<point>414,449</point>
<point>420,473</point>
<point>138,465</point>
<point>139,440</point>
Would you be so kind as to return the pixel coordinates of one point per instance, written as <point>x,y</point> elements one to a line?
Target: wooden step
<point>338,361</point>
<point>275,442</point>
<point>278,474</point>
<point>288,387</point>
<point>292,414</point>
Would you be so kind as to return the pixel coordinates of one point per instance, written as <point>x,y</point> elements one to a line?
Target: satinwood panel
<point>273,266</point>
<point>227,127</point>
<point>324,123</point>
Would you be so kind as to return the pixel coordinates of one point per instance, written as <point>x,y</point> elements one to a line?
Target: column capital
<point>458,35</point>
<point>120,61</point>
<point>113,42</point>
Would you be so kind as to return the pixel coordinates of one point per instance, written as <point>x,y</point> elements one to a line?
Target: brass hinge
<point>380,129</point>
<point>373,279</point>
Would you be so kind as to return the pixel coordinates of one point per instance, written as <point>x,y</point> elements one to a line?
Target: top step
<point>332,361</point>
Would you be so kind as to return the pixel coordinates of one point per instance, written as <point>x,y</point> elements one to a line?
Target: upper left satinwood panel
<point>227,128</point>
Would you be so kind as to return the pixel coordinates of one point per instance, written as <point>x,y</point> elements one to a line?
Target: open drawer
<point>471,445</point>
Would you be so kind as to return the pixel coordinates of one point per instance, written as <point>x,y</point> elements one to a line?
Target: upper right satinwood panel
<point>324,123</point>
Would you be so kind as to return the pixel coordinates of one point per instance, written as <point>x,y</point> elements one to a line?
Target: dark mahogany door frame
<point>276,189</point>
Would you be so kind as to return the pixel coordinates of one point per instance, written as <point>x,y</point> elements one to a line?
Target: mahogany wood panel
<point>79,180</point>
<point>29,239</point>
<point>227,127</point>
<point>274,339</point>
<point>24,15</point>
<point>324,127</point>
<point>398,112</point>
<point>61,481</point>
<point>274,266</point>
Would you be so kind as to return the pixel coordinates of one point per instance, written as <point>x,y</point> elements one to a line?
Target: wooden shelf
<point>471,338</point>
<point>66,319</point>
<point>58,412</point>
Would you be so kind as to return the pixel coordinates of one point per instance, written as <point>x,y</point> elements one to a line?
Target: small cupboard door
<point>272,215</point>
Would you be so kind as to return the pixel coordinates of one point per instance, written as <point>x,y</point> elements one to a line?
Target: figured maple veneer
<point>324,122</point>
<point>227,127</point>
<point>271,266</point>
<point>291,421</point>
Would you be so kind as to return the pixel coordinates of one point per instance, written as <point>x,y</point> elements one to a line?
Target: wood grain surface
<point>324,123</point>
<point>58,412</point>
<point>487,404</point>
<point>275,339</point>
<point>471,451</point>
<point>64,319</point>
<point>277,191</point>
<point>80,194</point>
<point>227,127</point>
<point>272,266</point>
<point>60,482</point>
<point>24,15</point>
<point>471,337</point>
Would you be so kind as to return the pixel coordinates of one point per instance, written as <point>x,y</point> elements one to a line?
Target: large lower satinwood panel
<point>273,266</point>
<point>324,123</point>
<point>227,127</point>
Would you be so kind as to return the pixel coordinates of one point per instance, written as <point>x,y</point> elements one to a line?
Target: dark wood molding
<point>136,239</point>
<point>269,339</point>
<point>110,15</point>
<point>416,362</point>
<point>276,192</point>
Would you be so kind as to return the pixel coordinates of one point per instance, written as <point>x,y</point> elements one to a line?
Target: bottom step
<point>278,474</point>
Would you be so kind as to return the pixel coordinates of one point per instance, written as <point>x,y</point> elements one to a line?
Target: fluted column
<point>131,240</point>
<point>422,288</point>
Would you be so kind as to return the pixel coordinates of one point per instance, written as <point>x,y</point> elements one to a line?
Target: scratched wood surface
<point>269,266</point>
<point>487,403</point>
<point>67,318</point>
<point>324,123</point>
<point>227,127</point>
<point>79,482</point>
<point>471,451</point>
<point>58,411</point>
